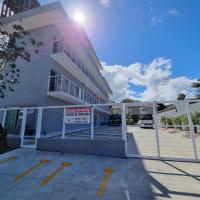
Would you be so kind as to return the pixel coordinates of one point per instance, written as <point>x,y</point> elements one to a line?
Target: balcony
<point>66,57</point>
<point>62,88</point>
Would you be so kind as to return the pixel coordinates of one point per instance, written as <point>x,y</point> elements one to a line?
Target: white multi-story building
<point>66,71</point>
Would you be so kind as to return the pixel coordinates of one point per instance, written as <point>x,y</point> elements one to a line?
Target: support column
<point>4,118</point>
<point>63,130</point>
<point>123,116</point>
<point>192,132</point>
<point>23,126</point>
<point>156,129</point>
<point>39,123</point>
<point>92,123</point>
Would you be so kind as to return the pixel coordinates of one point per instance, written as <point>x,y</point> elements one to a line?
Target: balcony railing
<point>61,87</point>
<point>61,46</point>
<point>60,83</point>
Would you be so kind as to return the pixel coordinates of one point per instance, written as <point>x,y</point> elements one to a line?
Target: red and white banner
<point>77,115</point>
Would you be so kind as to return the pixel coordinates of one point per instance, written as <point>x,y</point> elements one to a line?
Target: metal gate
<point>167,130</point>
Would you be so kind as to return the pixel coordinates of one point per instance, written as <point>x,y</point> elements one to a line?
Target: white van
<point>146,121</point>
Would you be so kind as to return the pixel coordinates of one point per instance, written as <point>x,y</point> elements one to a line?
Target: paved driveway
<point>173,142</point>
<point>80,177</point>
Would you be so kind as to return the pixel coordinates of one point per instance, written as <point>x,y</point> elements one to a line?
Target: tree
<point>128,100</point>
<point>196,85</point>
<point>15,43</point>
<point>181,96</point>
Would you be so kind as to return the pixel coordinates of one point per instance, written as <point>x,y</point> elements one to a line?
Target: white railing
<point>61,46</point>
<point>91,127</point>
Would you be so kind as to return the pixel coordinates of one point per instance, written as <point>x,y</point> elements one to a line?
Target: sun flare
<point>79,17</point>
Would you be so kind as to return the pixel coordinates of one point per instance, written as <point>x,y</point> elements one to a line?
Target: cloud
<point>106,3</point>
<point>155,78</point>
<point>173,12</point>
<point>155,20</point>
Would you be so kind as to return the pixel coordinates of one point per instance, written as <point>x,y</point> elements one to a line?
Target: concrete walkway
<point>79,177</point>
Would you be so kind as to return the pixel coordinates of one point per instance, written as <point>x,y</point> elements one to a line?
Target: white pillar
<point>92,123</point>
<point>4,118</point>
<point>156,129</point>
<point>63,130</point>
<point>39,123</point>
<point>191,130</point>
<point>23,126</point>
<point>123,116</point>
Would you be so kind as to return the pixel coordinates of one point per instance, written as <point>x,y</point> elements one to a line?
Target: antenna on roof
<point>11,7</point>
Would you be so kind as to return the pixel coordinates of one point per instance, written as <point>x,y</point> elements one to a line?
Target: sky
<point>149,49</point>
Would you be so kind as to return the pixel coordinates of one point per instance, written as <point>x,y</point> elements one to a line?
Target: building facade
<point>66,71</point>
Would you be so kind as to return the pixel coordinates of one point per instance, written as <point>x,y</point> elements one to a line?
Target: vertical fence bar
<point>123,116</point>
<point>4,118</point>
<point>92,123</point>
<point>23,127</point>
<point>62,80</point>
<point>156,129</point>
<point>39,123</point>
<point>191,130</point>
<point>63,129</point>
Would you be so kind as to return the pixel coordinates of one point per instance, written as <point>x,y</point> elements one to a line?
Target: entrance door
<point>29,138</point>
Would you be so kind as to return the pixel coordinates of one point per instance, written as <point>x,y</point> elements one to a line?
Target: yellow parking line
<point>8,159</point>
<point>107,174</point>
<point>51,176</point>
<point>41,162</point>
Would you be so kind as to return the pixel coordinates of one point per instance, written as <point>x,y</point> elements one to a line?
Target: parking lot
<point>30,174</point>
<point>173,142</point>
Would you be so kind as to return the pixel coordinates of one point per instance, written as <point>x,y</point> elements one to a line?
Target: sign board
<point>77,115</point>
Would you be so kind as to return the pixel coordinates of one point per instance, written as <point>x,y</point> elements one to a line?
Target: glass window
<point>73,56</point>
<point>67,49</point>
<point>88,98</point>
<point>79,63</point>
<point>76,91</point>
<point>82,95</point>
<point>71,89</point>
<point>66,85</point>
<point>85,96</point>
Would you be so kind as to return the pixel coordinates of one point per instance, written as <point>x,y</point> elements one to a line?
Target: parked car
<point>146,121</point>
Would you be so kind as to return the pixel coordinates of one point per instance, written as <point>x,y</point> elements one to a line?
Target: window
<point>67,49</point>
<point>85,96</point>
<point>71,88</point>
<point>58,46</point>
<point>82,95</point>
<point>66,86</point>
<point>76,91</point>
<point>88,98</point>
<point>73,56</point>
<point>79,63</point>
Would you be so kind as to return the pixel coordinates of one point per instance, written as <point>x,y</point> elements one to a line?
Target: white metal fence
<point>174,133</point>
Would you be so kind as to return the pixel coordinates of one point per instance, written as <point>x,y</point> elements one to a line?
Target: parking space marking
<point>41,162</point>
<point>8,159</point>
<point>107,174</point>
<point>57,171</point>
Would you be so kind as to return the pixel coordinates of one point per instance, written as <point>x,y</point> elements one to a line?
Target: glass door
<point>29,137</point>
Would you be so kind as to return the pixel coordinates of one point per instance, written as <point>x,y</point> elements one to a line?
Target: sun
<point>79,17</point>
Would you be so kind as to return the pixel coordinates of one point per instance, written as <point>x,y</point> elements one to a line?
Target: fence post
<point>4,118</point>
<point>123,109</point>
<point>61,87</point>
<point>63,130</point>
<point>191,130</point>
<point>156,129</point>
<point>92,123</point>
<point>23,127</point>
<point>39,123</point>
